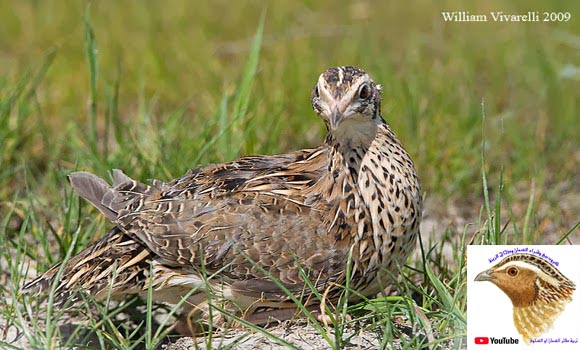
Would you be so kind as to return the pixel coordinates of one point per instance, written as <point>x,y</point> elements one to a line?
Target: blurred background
<point>161,70</point>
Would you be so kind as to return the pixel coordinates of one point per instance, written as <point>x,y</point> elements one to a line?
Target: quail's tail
<point>116,263</point>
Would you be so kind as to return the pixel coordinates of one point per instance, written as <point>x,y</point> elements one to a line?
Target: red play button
<point>481,340</point>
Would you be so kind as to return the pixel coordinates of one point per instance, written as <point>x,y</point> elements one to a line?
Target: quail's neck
<point>355,135</point>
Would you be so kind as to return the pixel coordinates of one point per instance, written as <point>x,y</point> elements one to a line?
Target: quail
<point>538,291</point>
<point>243,228</point>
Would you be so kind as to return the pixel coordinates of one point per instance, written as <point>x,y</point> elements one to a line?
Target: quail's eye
<point>315,92</point>
<point>364,92</point>
<point>512,271</point>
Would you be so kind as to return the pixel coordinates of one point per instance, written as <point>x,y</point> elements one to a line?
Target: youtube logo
<point>481,340</point>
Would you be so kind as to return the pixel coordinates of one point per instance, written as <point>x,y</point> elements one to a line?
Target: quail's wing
<point>239,218</point>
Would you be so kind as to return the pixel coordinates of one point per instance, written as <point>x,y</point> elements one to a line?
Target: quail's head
<point>346,97</point>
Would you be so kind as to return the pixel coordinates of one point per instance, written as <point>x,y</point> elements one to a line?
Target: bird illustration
<point>243,229</point>
<point>538,290</point>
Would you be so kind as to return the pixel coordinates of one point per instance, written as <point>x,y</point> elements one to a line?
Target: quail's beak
<point>334,120</point>
<point>485,276</point>
<point>337,109</point>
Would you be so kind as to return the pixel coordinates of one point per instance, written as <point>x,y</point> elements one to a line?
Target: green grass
<point>156,89</point>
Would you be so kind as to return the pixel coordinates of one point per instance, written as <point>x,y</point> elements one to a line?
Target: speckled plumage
<point>538,290</point>
<point>358,191</point>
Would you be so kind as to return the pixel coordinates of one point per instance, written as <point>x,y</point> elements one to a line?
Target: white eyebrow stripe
<point>349,96</point>
<point>529,266</point>
<point>323,92</point>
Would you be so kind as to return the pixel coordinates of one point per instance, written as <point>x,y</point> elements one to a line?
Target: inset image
<point>523,295</point>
